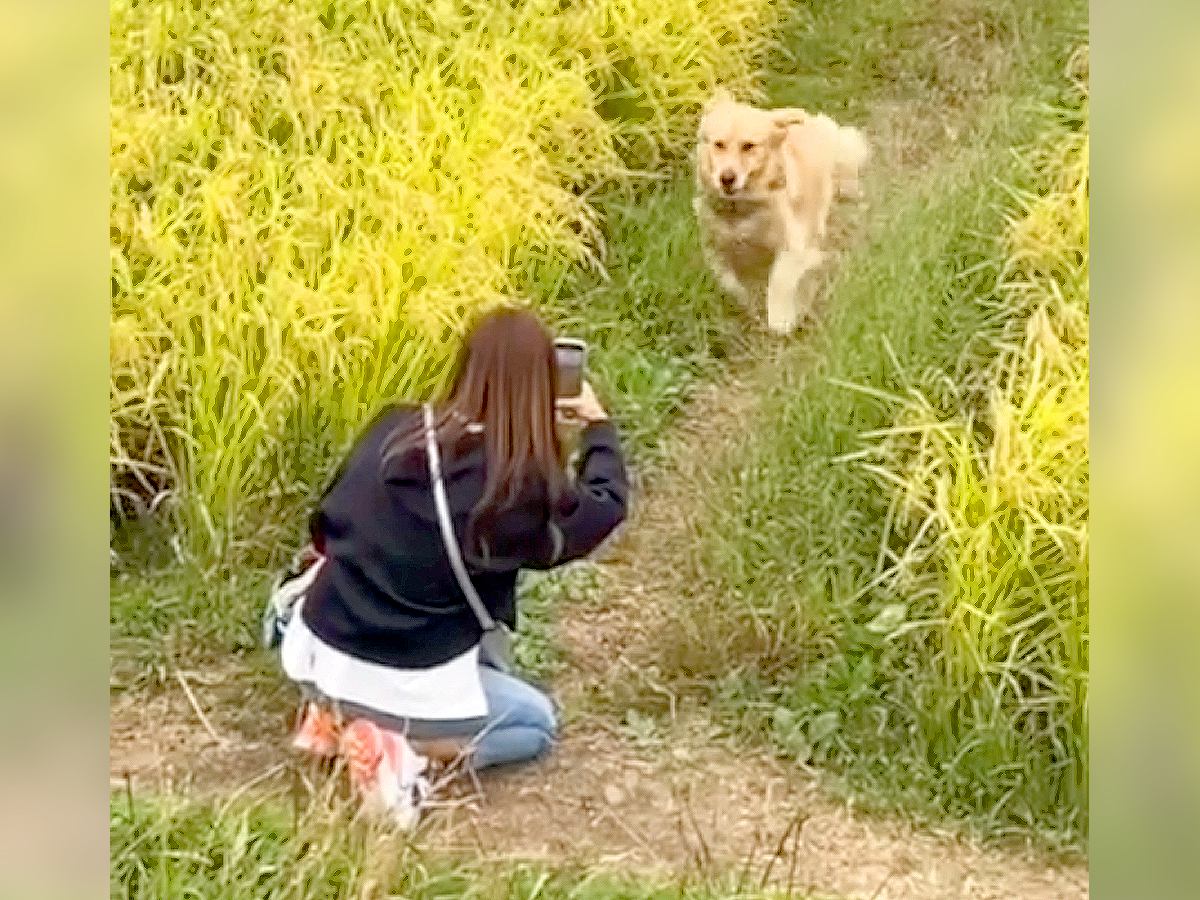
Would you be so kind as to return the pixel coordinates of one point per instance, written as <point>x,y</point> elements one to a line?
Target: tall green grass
<point>308,850</point>
<point>894,566</point>
<point>310,199</point>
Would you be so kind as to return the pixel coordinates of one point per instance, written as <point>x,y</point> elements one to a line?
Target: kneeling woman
<point>385,631</point>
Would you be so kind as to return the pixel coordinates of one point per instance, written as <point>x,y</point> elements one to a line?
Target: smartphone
<point>570,357</point>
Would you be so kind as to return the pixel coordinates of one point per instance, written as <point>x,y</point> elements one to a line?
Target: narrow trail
<point>682,799</point>
<point>680,795</point>
<point>687,797</point>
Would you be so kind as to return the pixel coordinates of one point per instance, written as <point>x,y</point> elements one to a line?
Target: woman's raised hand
<point>585,408</point>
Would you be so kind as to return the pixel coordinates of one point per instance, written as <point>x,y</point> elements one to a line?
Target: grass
<point>836,607</point>
<point>655,320</point>
<point>545,598</point>
<point>314,851</point>
<point>894,568</point>
<point>309,201</point>
<point>657,328</point>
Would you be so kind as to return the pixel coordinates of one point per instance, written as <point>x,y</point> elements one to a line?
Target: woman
<point>385,630</point>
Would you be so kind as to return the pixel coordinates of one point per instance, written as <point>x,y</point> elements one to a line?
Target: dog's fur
<point>766,182</point>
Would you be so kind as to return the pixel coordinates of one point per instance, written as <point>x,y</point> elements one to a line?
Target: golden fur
<point>766,182</point>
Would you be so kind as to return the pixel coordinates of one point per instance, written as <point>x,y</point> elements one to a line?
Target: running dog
<point>766,182</point>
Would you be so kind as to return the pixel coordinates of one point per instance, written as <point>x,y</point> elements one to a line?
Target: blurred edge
<point>53,475</point>
<point>53,457</point>
<point>1145,450</point>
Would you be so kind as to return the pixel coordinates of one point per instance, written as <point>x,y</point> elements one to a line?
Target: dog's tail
<point>851,153</point>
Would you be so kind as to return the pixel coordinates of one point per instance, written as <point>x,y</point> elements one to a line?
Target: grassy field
<point>894,562</point>
<point>247,851</point>
<point>309,202</point>
<point>891,584</point>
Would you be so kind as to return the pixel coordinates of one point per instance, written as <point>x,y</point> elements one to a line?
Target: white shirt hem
<point>450,690</point>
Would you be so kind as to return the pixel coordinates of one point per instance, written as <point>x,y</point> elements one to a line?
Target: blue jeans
<point>520,725</point>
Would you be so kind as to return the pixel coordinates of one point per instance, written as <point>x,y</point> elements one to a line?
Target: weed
<point>313,849</point>
<point>545,597</point>
<point>893,566</point>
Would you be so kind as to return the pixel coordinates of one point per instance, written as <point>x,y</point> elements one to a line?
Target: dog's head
<point>738,146</point>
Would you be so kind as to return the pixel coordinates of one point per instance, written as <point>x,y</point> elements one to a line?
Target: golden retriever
<point>767,180</point>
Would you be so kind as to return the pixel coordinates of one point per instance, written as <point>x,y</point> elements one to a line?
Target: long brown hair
<point>504,381</point>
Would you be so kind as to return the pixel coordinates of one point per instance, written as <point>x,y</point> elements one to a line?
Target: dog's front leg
<point>731,283</point>
<point>788,270</point>
<point>727,278</point>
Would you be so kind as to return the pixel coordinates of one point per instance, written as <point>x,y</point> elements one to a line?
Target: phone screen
<point>570,359</point>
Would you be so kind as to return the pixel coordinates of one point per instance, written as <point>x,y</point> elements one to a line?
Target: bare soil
<point>683,798</point>
<point>686,801</point>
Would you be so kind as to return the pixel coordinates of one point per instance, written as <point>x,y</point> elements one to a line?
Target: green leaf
<point>823,726</point>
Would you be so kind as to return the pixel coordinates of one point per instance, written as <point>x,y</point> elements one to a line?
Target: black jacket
<point>387,594</point>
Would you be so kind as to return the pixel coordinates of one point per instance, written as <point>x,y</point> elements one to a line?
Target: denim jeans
<point>520,726</point>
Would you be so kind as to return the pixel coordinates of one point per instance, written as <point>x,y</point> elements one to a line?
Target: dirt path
<point>679,796</point>
<point>675,793</point>
<point>689,803</point>
<point>685,800</point>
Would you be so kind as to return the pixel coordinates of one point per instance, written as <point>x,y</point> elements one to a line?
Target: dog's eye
<point>720,145</point>
<point>747,147</point>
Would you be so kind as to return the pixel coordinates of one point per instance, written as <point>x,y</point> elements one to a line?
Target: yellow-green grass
<point>985,548</point>
<point>312,848</point>
<point>309,201</point>
<point>892,581</point>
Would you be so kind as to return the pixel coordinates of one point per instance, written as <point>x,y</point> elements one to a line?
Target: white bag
<point>282,603</point>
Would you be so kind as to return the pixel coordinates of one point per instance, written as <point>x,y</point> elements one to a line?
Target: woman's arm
<point>598,501</point>
<point>595,506</point>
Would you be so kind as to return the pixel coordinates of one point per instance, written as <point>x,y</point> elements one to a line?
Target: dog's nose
<point>727,180</point>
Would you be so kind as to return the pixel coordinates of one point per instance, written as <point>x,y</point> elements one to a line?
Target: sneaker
<point>317,733</point>
<point>385,771</point>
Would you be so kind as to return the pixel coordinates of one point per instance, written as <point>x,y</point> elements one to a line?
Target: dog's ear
<point>782,119</point>
<point>785,117</point>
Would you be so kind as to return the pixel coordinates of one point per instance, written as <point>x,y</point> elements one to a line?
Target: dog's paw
<point>782,327</point>
<point>734,288</point>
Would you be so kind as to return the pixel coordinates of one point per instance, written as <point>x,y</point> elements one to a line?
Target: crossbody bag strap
<point>433,454</point>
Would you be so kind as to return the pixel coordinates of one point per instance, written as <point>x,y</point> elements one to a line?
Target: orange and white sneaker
<point>385,770</point>
<point>318,733</point>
